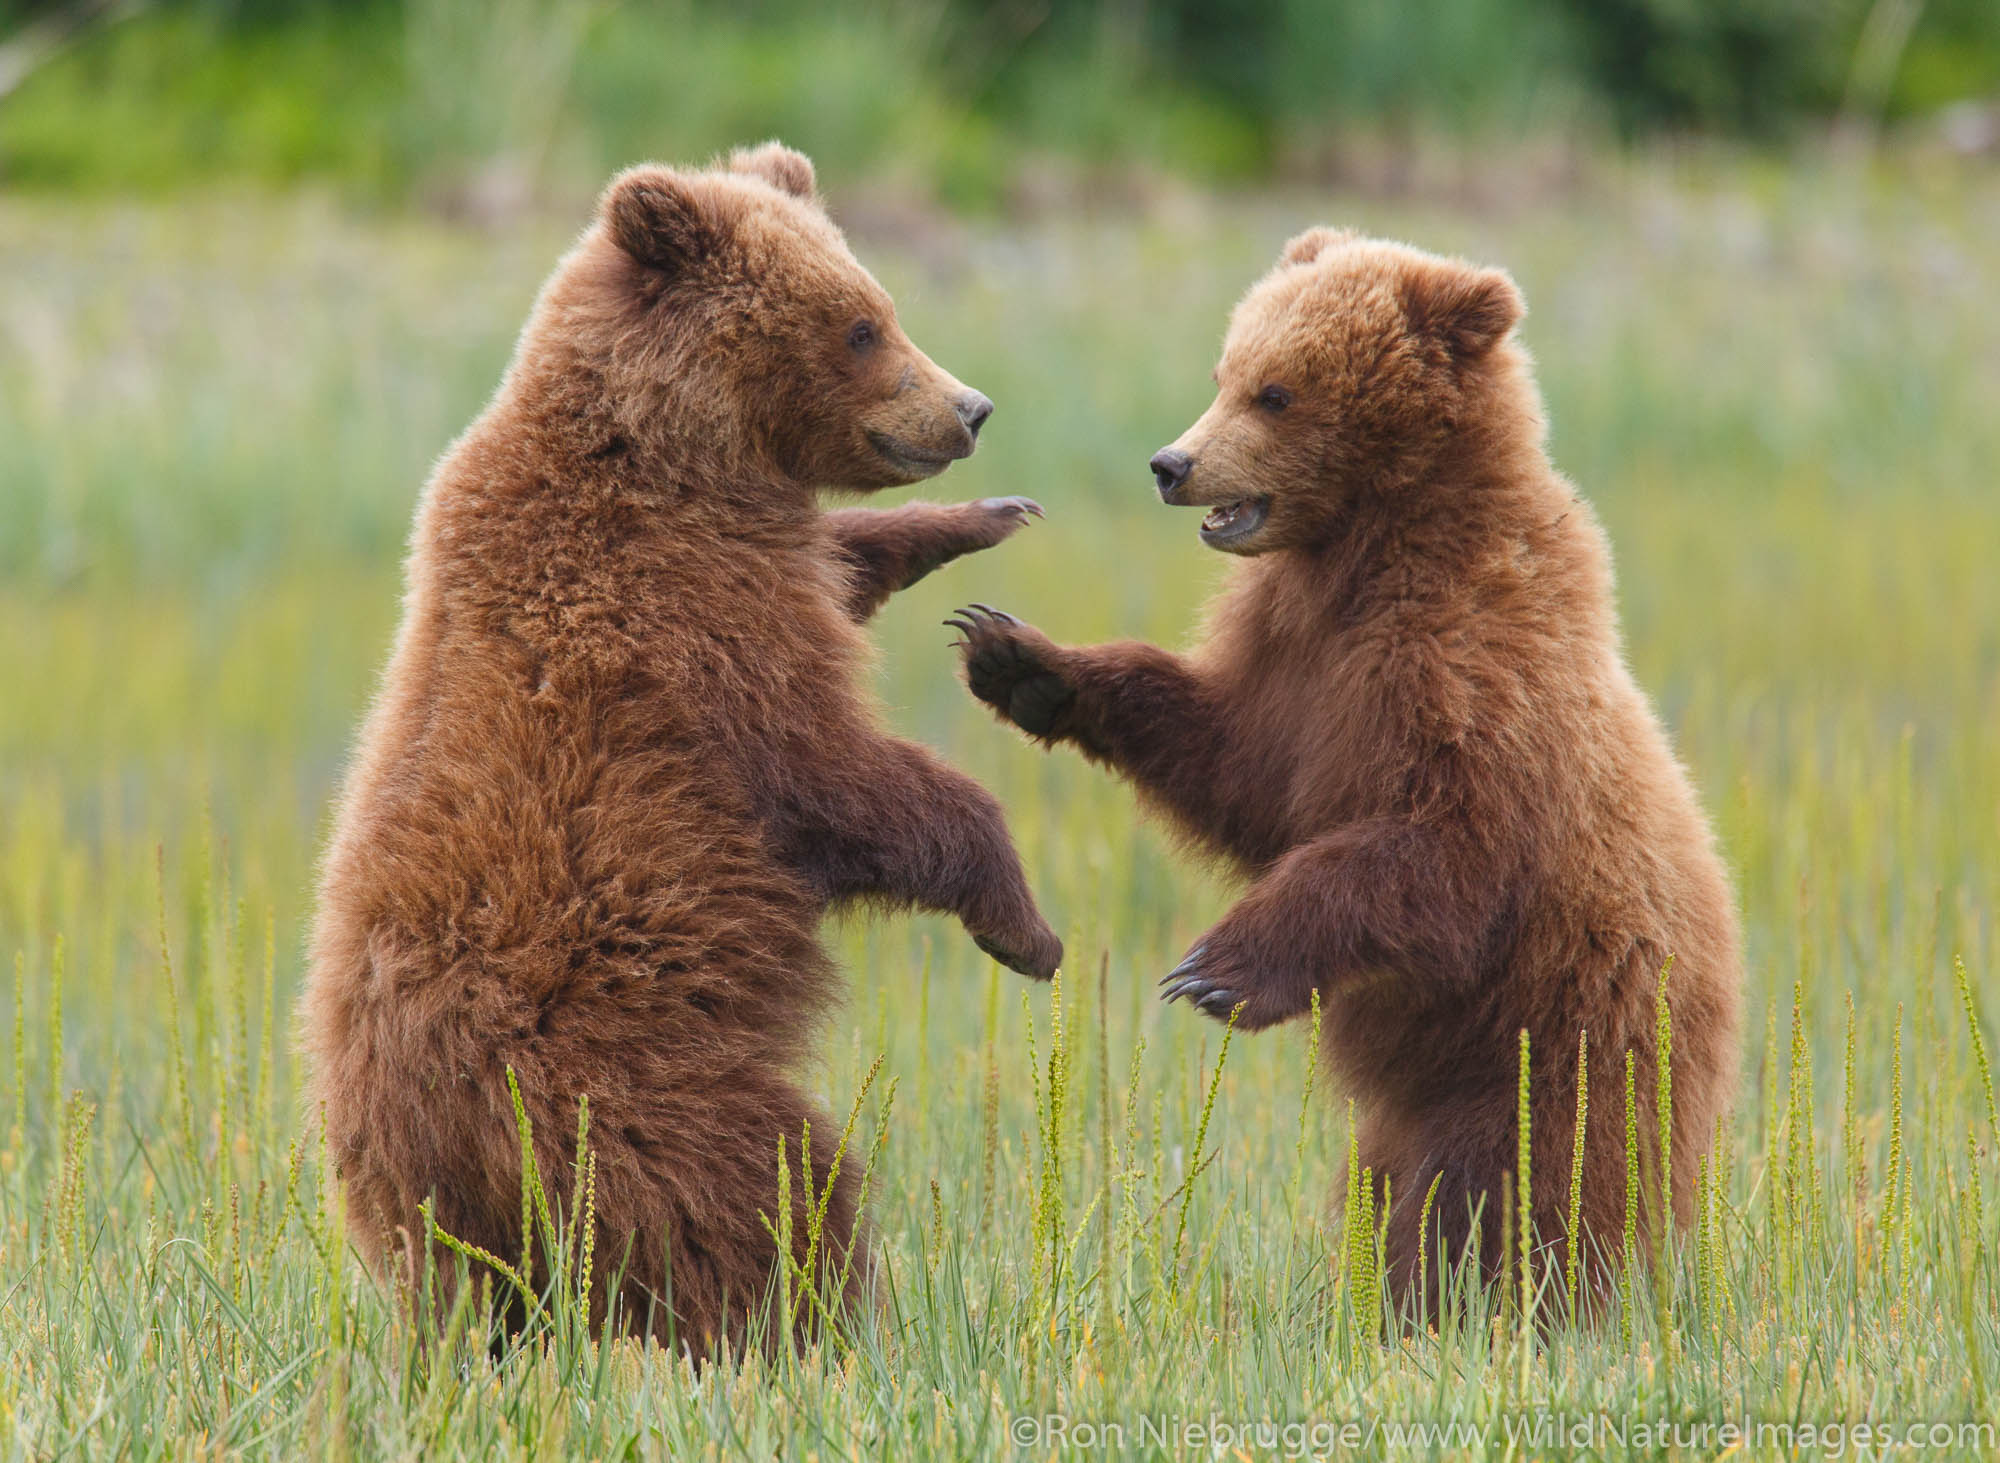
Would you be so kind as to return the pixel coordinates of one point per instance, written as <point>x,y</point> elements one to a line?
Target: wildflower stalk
<point>1663,1102</point>
<point>1978,1041</point>
<point>1200,1143</point>
<point>1631,1238</point>
<point>1525,1205</point>
<point>1573,1239</point>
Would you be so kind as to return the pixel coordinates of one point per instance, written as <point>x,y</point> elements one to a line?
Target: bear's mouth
<point>910,460</point>
<point>1228,524</point>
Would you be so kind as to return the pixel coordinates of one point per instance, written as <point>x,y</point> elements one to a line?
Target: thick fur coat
<point>1410,724</point>
<point>620,765</point>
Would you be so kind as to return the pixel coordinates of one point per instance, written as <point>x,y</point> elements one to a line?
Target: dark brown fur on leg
<point>1410,727</point>
<point>889,549</point>
<point>907,830</point>
<point>1132,707</point>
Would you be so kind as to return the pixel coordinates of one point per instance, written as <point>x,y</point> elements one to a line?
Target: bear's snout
<point>1171,467</point>
<point>973,410</point>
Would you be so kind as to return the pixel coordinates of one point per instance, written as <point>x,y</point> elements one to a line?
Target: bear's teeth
<point>1223,515</point>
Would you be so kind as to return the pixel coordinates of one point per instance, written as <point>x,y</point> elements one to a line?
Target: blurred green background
<point>973,102</point>
<point>260,262</point>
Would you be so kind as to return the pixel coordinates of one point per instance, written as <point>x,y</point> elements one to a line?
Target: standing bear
<point>1411,726</point>
<point>620,764</point>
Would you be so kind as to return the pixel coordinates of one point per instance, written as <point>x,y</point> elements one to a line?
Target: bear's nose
<point>973,410</point>
<point>1171,467</point>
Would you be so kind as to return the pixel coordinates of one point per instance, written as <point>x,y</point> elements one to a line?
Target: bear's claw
<point>1187,967</point>
<point>1188,980</point>
<point>1005,668</point>
<point>1019,509</point>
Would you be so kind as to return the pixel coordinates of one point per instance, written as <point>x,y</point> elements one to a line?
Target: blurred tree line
<point>389,93</point>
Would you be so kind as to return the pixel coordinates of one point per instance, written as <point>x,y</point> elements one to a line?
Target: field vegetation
<point>1777,385</point>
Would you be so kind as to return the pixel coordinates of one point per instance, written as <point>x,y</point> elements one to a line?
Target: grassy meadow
<point>1778,386</point>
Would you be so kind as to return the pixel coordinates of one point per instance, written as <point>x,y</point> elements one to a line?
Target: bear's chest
<point>754,664</point>
<point>1316,729</point>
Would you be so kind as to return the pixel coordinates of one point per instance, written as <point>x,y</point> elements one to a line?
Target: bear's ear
<point>783,168</point>
<point>654,216</point>
<point>1466,310</point>
<point>1308,246</point>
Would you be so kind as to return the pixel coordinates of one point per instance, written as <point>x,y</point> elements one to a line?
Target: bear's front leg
<point>1138,709</point>
<point>1143,710</point>
<point>889,549</point>
<point>1382,894</point>
<point>886,821</point>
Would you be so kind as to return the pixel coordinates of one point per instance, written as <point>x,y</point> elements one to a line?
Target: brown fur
<point>1411,724</point>
<point>620,765</point>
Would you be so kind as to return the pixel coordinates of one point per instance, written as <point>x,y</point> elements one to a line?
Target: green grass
<point>1778,389</point>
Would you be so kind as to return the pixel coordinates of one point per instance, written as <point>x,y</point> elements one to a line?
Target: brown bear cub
<point>1411,725</point>
<point>621,763</point>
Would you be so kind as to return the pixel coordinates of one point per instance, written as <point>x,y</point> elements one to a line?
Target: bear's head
<point>1344,371</point>
<point>725,306</point>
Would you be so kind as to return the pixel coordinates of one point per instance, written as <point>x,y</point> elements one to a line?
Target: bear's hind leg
<point>699,1203</point>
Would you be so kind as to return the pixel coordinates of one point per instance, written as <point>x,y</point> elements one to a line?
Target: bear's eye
<point>862,335</point>
<point>1274,398</point>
